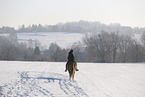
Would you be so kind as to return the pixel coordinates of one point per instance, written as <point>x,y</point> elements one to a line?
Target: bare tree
<point>113,47</point>
<point>124,47</point>
<point>99,46</point>
<point>54,50</point>
<point>143,38</point>
<point>56,53</point>
<point>115,41</point>
<point>8,50</point>
<point>135,52</point>
<point>36,55</point>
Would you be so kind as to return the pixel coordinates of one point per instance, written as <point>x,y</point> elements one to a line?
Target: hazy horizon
<point>15,13</point>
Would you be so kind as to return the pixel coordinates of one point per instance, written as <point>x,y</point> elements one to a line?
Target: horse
<point>71,67</point>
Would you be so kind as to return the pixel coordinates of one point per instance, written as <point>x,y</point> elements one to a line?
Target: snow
<point>63,39</point>
<point>48,79</point>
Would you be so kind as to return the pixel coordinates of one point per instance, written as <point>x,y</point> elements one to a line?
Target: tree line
<point>80,26</point>
<point>11,49</point>
<point>102,47</point>
<point>114,47</point>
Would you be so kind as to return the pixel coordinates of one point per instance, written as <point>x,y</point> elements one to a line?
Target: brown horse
<point>71,67</point>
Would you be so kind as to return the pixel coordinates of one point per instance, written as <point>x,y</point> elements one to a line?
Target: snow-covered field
<point>48,79</point>
<point>63,39</point>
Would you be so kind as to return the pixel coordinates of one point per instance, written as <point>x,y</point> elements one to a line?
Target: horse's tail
<point>75,66</point>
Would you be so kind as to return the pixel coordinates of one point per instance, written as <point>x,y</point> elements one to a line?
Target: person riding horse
<point>70,59</point>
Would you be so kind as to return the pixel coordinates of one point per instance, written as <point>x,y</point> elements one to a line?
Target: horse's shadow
<point>47,78</point>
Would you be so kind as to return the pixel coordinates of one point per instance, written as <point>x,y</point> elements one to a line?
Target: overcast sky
<point>126,12</point>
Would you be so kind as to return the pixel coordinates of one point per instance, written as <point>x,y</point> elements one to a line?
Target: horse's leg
<point>69,76</point>
<point>74,69</point>
<point>73,75</point>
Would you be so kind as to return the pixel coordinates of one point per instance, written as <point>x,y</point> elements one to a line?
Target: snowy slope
<point>63,39</point>
<point>48,79</point>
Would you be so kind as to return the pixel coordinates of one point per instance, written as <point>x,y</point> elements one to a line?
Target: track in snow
<point>42,84</point>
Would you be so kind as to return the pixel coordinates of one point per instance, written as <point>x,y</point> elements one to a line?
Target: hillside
<point>63,39</point>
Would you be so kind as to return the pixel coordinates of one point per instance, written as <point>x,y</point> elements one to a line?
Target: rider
<point>70,58</point>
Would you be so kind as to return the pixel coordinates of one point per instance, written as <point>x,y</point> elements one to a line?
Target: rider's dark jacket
<point>70,57</point>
